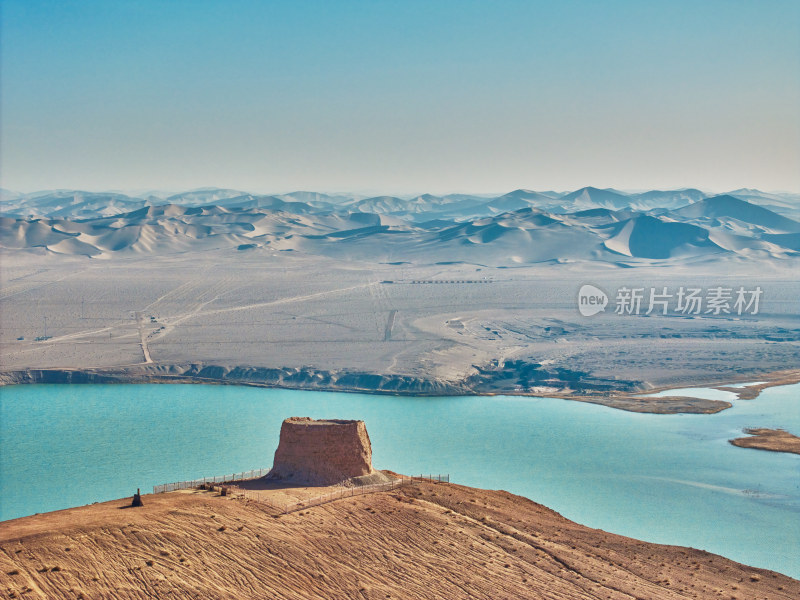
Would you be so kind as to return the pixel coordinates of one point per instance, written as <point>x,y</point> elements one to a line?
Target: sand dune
<point>649,237</point>
<point>785,240</point>
<point>668,198</point>
<point>729,206</point>
<point>590,197</point>
<point>73,204</point>
<point>714,226</point>
<point>228,286</point>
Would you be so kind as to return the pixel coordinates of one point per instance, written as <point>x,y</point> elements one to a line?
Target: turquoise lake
<point>663,478</point>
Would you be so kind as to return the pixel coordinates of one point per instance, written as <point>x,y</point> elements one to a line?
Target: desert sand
<point>422,541</point>
<point>776,440</point>
<point>429,295</point>
<point>311,322</point>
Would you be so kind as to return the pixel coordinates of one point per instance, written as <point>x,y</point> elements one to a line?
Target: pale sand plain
<point>308,321</point>
<point>422,541</point>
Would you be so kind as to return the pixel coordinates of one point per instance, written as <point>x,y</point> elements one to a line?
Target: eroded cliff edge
<point>510,378</point>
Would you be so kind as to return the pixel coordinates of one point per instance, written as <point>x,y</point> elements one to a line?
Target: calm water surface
<point>662,478</point>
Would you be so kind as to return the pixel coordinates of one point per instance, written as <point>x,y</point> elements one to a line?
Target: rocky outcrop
<point>322,452</point>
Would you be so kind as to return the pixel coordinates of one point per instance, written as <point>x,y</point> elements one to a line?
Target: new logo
<point>591,300</point>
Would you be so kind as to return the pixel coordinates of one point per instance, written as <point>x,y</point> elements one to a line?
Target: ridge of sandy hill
<point>422,541</point>
<point>730,206</point>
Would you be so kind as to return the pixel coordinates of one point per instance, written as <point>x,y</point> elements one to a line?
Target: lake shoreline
<point>639,401</point>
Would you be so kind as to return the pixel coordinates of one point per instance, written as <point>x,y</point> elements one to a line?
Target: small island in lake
<point>776,440</point>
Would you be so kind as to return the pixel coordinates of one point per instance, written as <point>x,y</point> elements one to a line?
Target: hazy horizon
<point>378,192</point>
<point>400,98</point>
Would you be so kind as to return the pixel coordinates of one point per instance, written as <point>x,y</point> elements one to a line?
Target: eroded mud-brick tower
<point>322,452</point>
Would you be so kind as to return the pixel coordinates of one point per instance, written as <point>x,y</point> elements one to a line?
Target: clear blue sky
<point>400,96</point>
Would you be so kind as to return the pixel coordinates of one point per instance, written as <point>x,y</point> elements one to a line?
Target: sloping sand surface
<point>422,541</point>
<point>526,235</point>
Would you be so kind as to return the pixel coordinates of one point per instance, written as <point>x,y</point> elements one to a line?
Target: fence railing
<point>432,478</point>
<point>267,496</point>
<point>264,496</point>
<point>185,485</point>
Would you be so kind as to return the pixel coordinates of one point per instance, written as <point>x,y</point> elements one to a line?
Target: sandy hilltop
<point>422,541</point>
<point>450,294</point>
<point>418,539</point>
